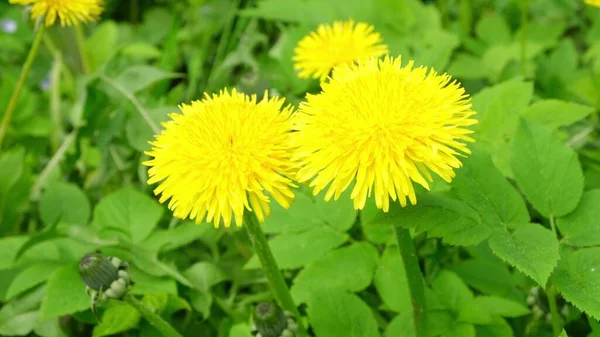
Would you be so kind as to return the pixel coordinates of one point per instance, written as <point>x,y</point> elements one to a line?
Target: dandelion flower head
<point>224,155</point>
<point>593,2</point>
<point>70,12</point>
<point>330,46</point>
<point>382,127</point>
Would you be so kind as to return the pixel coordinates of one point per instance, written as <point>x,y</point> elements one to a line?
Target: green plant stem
<point>524,28</point>
<point>553,225</point>
<point>466,18</point>
<point>12,104</point>
<point>83,55</point>
<point>155,320</point>
<point>55,110</point>
<point>414,277</point>
<point>269,266</point>
<point>556,323</point>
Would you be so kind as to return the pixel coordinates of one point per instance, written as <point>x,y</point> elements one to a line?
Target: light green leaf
<point>546,170</point>
<point>204,275</point>
<point>295,250</point>
<point>164,240</point>
<point>555,113</point>
<point>466,66</point>
<point>531,248</point>
<point>141,51</point>
<point>498,328</point>
<point>482,186</point>
<point>118,318</point>
<point>175,304</point>
<point>201,302</point>
<point>493,29</point>
<point>578,279</point>
<point>30,277</point>
<point>401,325</point>
<point>337,214</point>
<point>9,247</point>
<point>501,306</point>
<point>338,314</point>
<point>18,317</point>
<point>472,313</point>
<point>65,293</point>
<point>139,77</point>
<point>240,330</point>
<point>377,232</point>
<point>66,202</point>
<point>49,328</point>
<point>452,292</point>
<point>563,334</point>
<point>460,329</point>
<point>103,43</point>
<point>496,279</point>
<point>333,271</point>
<point>390,281</point>
<point>128,210</point>
<point>299,217</point>
<point>582,226</point>
<point>439,216</point>
<point>19,325</point>
<point>137,130</point>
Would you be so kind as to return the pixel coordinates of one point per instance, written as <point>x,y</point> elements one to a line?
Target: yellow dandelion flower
<point>330,46</point>
<point>382,126</point>
<point>70,12</point>
<point>593,2</point>
<point>222,155</point>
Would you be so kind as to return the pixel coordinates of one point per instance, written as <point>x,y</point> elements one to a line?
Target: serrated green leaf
<point>546,170</point>
<point>501,306</point>
<point>65,293</point>
<point>128,210</point>
<point>118,318</point>
<point>439,216</point>
<point>333,271</point>
<point>578,279</point>
<point>479,184</point>
<point>555,113</point>
<point>338,314</point>
<point>390,281</point>
<point>139,77</point>
<point>580,227</point>
<point>295,250</point>
<point>65,202</point>
<point>531,248</point>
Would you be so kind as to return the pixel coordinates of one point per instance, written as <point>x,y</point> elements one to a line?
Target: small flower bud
<point>530,300</point>
<point>97,271</point>
<point>271,321</point>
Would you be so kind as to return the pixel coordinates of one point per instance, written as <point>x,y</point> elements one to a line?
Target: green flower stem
<point>524,24</point>
<point>556,323</point>
<point>466,18</point>
<point>414,277</point>
<point>155,320</point>
<point>83,55</point>
<point>12,104</point>
<point>269,266</point>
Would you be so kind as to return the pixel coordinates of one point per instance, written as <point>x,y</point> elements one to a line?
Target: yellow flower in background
<point>593,2</point>
<point>330,46</point>
<point>382,127</point>
<point>70,12</point>
<point>222,155</point>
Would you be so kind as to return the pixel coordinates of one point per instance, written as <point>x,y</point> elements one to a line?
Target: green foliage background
<point>522,217</point>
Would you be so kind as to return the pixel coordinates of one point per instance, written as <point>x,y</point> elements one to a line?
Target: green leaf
<point>129,210</point>
<point>164,240</point>
<point>139,77</point>
<point>493,29</point>
<point>501,306</point>
<point>466,66</point>
<point>30,277</point>
<point>201,302</point>
<point>580,227</point>
<point>390,281</point>
<point>578,279</point>
<point>18,317</point>
<point>103,43</point>
<point>401,325</point>
<point>555,113</point>
<point>295,250</point>
<point>137,130</point>
<point>439,216</point>
<point>118,318</point>
<point>9,247</point>
<point>375,231</point>
<point>452,292</point>
<point>240,330</point>
<point>204,275</point>
<point>65,293</point>
<point>65,202</point>
<point>471,312</point>
<point>338,314</point>
<point>498,328</point>
<point>337,214</point>
<point>531,248</point>
<point>350,268</point>
<point>460,329</point>
<point>299,217</point>
<point>479,184</point>
<point>156,301</point>
<point>546,170</point>
<point>563,334</point>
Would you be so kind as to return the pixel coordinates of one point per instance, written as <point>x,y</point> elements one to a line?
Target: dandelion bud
<point>97,271</point>
<point>271,321</point>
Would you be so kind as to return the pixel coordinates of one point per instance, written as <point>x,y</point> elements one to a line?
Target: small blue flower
<point>8,26</point>
<point>45,83</point>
